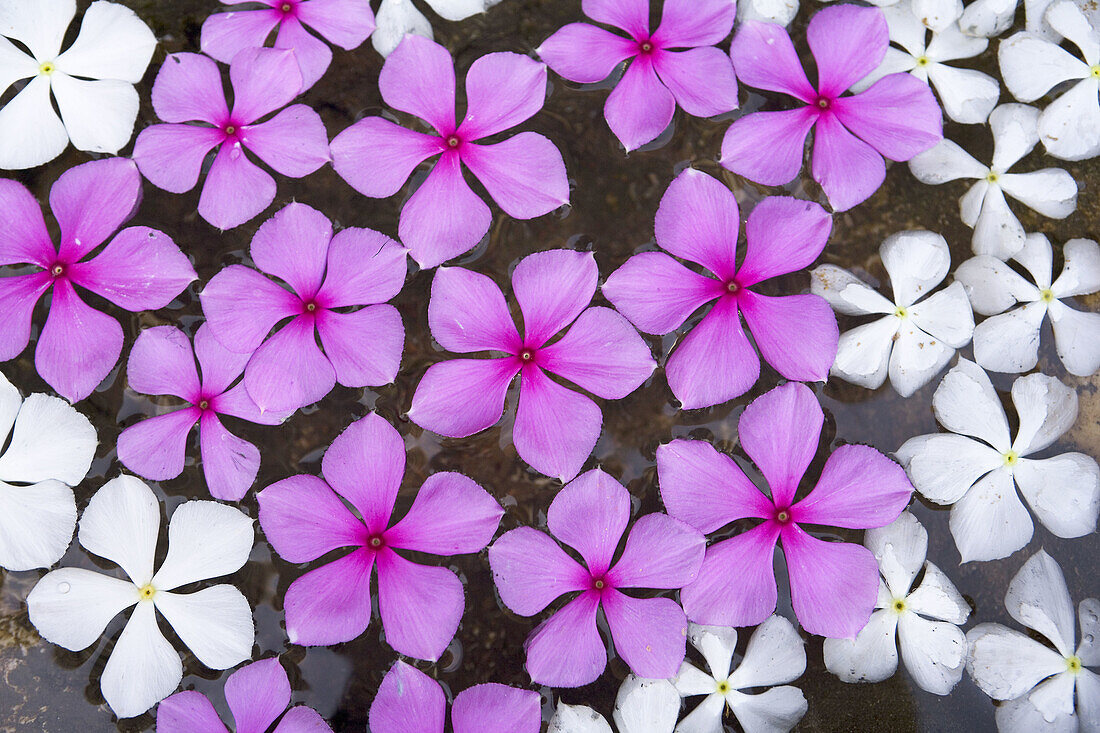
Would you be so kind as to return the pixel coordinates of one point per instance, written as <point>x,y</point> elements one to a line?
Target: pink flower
<point>700,80</point>
<point>590,515</point>
<point>140,269</point>
<point>525,174</point>
<point>409,700</point>
<point>896,117</point>
<point>189,89</point>
<point>305,517</point>
<point>698,221</point>
<point>347,23</point>
<point>834,585</point>
<point>257,694</point>
<point>556,428</point>
<point>327,275</point>
<point>162,362</point>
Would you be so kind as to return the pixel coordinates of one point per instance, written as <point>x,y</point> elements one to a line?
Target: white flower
<point>642,706</point>
<point>92,81</point>
<point>775,656</point>
<point>997,232</point>
<point>51,449</point>
<point>397,18</point>
<point>980,477</point>
<point>1039,683</point>
<point>913,340</point>
<point>71,607</point>
<point>934,651</point>
<point>1009,342</point>
<point>988,18</point>
<point>1031,66</point>
<point>767,11</point>
<point>937,14</point>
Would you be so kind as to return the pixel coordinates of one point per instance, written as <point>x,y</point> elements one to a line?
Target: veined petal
<point>530,570</point>
<point>872,656</point>
<point>407,700</point>
<point>364,465</point>
<point>848,42</point>
<point>91,201</point>
<point>1009,342</point>
<point>714,362</point>
<point>121,523</point>
<point>264,79</point>
<point>444,399</point>
<point>51,440</point>
<point>420,605</point>
<point>376,157</point>
<point>330,604</point>
<point>419,78</point>
<point>502,90</point>
<point>697,220</point>
<point>257,694</point>
<point>701,79</point>
<point>467,313</point>
<point>784,235</point>
<point>602,353</point>
<point>937,598</point>
<point>796,334</point>
<point>736,583</point>
<point>363,267</point>
<point>1006,664</point>
<point>767,147</point>
<point>141,269</point>
<point>630,15</point>
<point>1076,335</point>
<point>313,54</point>
<point>764,57</point>
<point>706,488</point>
<point>848,169</point>
<point>689,23</point>
<point>33,133</point>
<point>1038,598</point>
<point>1063,491</point>
<point>660,552</point>
<point>18,296</point>
<point>989,521</point>
<point>155,448</point>
<point>143,667</point>
<point>859,487</point>
<point>451,515</point>
<point>553,288</point>
<point>236,189</point>
<point>897,116</point>
<point>1047,408</point>
<point>293,142</point>
<point>364,346</point>
<point>556,428</point>
<point>215,623</point>
<point>113,43</point>
<point>78,346</point>
<point>25,238</point>
<point>205,540</point>
<point>1015,133</point>
<point>162,362</point>
<point>775,655</point>
<point>934,652</point>
<point>189,88</point>
<point>443,218</point>
<point>224,35</point>
<point>525,174</point>
<point>188,711</point>
<point>229,463</point>
<point>863,354</point>
<point>344,22</point>
<point>1067,126</point>
<point>780,431</point>
<point>40,25</point>
<point>71,607</point>
<point>640,107</point>
<point>656,293</point>
<point>304,519</point>
<point>650,634</point>
<point>242,306</point>
<point>289,370</point>
<point>220,367</point>
<point>301,719</point>
<point>171,156</point>
<point>943,467</point>
<point>566,650</point>
<point>584,53</point>
<point>495,708</point>
<point>946,316</point>
<point>37,525</point>
<point>966,403</point>
<point>1031,66</point>
<point>590,514</point>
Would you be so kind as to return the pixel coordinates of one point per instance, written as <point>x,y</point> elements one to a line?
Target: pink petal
<point>530,570</point>
<point>188,712</point>
<point>18,296</point>
<point>141,269</point>
<point>23,239</point>
<point>848,169</point>
<point>767,147</point>
<point>796,334</point>
<point>304,519</point>
<point>660,552</point>
<point>834,585</point>
<point>293,246</point>
<point>502,90</point>
<point>859,488</point>
<point>236,190</point>
<point>715,362</point>
<point>220,366</point>
<point>78,346</point>
<point>784,235</point>
<point>698,221</point>
<point>155,448</point>
<point>525,174</point>
<point>300,719</point>
<point>779,431</point>
<point>229,463</point>
<point>237,403</point>
<point>690,23</point>
<point>494,708</point>
<point>461,397</point>
<point>584,53</point>
<point>331,604</point>
<point>706,488</point>
<point>657,293</point>
<point>419,78</point>
<point>467,313</point>
<point>630,15</point>
<point>552,289</point>
<point>556,428</point>
<point>364,346</point>
<point>171,156</point>
<point>242,306</point>
<point>601,353</point>
<point>376,157</point>
<point>897,116</point>
<point>640,107</point>
<point>444,218</point>
<point>701,79</point>
<point>161,362</point>
<point>364,465</point>
<point>264,80</point>
<point>590,515</point>
<point>451,515</point>
<point>257,694</point>
<point>91,201</point>
<point>764,57</point>
<point>408,700</point>
<point>650,634</point>
<point>293,142</point>
<point>189,88</point>
<point>848,42</point>
<point>226,34</point>
<point>289,371</point>
<point>736,585</point>
<point>364,267</point>
<point>313,54</point>
<point>420,606</point>
<point>347,23</point>
<point>566,650</point>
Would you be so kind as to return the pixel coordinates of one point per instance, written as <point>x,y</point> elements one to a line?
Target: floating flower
<point>346,23</point>
<point>767,11</point>
<point>989,18</point>
<point>590,515</point>
<point>924,619</point>
<point>305,517</point>
<point>699,79</point>
<point>524,174</point>
<point>698,221</point>
<point>556,428</point>
<point>833,584</point>
<point>641,706</point>
<point>189,89</point>
<point>1038,684</point>
<point>1051,191</point>
<point>918,333</point>
<point>327,275</point>
<point>897,117</point>
<point>51,449</point>
<point>1009,340</point>
<point>775,656</point>
<point>980,477</point>
<point>409,700</point>
<point>140,269</point>
<point>162,362</point>
<point>92,81</point>
<point>71,607</point>
<point>257,694</point>
<point>397,18</point>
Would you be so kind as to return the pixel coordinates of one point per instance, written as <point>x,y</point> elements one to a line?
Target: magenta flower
<point>834,585</point>
<point>698,221</point>
<point>896,117</point>
<point>162,362</point>
<point>257,694</point>
<point>556,428</point>
<point>327,275</point>
<point>525,174</point>
<point>700,80</point>
<point>409,700</point>
<point>347,23</point>
<point>304,518</point>
<point>189,89</point>
<point>590,515</point>
<point>139,269</point>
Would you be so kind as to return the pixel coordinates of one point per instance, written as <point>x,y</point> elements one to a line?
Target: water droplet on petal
<point>63,587</point>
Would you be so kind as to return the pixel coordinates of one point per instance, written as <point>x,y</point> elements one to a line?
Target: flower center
<point>732,286</point>
<point>527,356</point>
<point>1047,295</point>
<point>1011,458</point>
<point>311,306</point>
<point>46,68</point>
<point>453,141</point>
<point>1073,664</point>
<point>57,270</point>
<point>899,605</point>
<point>922,61</point>
<point>901,312</point>
<point>992,176</point>
<point>375,542</point>
<point>646,46</point>
<point>285,7</point>
<point>146,592</point>
<point>599,584</point>
<point>204,404</point>
<point>824,102</point>
<point>783,516</point>
<point>230,130</point>
<point>1095,71</point>
<point>723,687</point>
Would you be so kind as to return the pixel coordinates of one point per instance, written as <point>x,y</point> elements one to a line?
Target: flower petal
<point>706,488</point>
<point>1006,664</point>
<point>796,334</point>
<point>1051,192</point>
<point>966,403</point>
<point>642,703</point>
<point>859,487</point>
<point>943,467</point>
<point>502,90</point>
<point>364,465</point>
<point>98,115</point>
<point>872,656</point>
<point>264,79</point>
<point>494,708</point>
<point>660,552</point>
<point>916,359</point>
<point>364,267</point>
<point>714,362</point>
<point>848,42</point>
<point>697,220</point>
<point>407,700</point>
<point>945,162</point>
<point>590,515</point>
<point>189,88</point>
<point>78,346</point>
<point>444,217</point>
<point>967,95</point>
<point>937,598</point>
<point>25,238</point>
<point>657,293</point>
<point>187,712</point>
<point>331,604</point>
<point>584,53</point>
<point>736,583</point>
<point>577,719</point>
<point>525,174</point>
<point>205,540</point>
<point>224,35</point>
<point>71,607</point>
<point>171,156</point>
<point>602,353</point>
<point>420,606</point>
<point>701,79</point>
<point>1067,125</point>
<point>630,15</point>
<point>39,25</point>
<point>242,306</point>
<point>236,189</point>
<point>833,584</point>
<point>91,201</point>
<point>780,708</point>
<point>566,650</point>
<point>848,169</point>
<point>989,522</point>
<point>37,525</point>
<point>143,667</point>
<point>444,399</point>
<point>767,147</point>
<point>289,371</point>
<point>689,23</point>
<point>1047,408</point>
<point>141,269</point>
<point>215,623</point>
<point>1031,66</point>
<point>51,440</point>
<point>897,116</point>
<point>467,313</point>
<point>121,523</point>
<point>313,54</point>
<point>765,58</point>
<point>396,19</point>
<point>650,634</point>
<point>451,515</point>
<point>257,694</point>
<point>775,655</point>
<point>293,142</point>
<point>18,296</point>
<point>784,235</point>
<point>780,431</point>
<point>553,288</point>
<point>419,78</point>
<point>556,428</point>
<point>229,463</point>
<point>1063,492</point>
<point>530,570</point>
<point>364,346</point>
<point>934,652</point>
<point>155,448</point>
<point>303,519</point>
<point>1076,335</point>
<point>863,353</point>
<point>376,157</point>
<point>344,22</point>
<point>640,107</point>
<point>916,261</point>
<point>33,133</point>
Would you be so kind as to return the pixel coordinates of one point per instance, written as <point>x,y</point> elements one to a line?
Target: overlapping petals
<point>641,706</point>
<point>398,18</point>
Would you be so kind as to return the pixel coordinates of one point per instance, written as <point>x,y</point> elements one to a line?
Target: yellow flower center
<point>1073,664</point>
<point>723,687</point>
<point>901,312</point>
<point>1047,295</point>
<point>147,591</point>
<point>46,68</point>
<point>1011,458</point>
<point>922,61</point>
<point>1095,71</point>
<point>992,176</point>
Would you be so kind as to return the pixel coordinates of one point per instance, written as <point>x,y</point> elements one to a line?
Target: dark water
<point>613,201</point>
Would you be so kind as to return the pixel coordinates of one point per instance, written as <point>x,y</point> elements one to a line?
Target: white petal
<point>14,65</point>
<point>900,548</point>
<point>906,30</point>
<point>943,466</point>
<point>716,644</point>
<point>1037,257</point>
<point>917,261</point>
<point>1005,663</point>
<point>945,162</point>
<point>775,655</point>
<point>36,524</point>
<point>10,402</point>
<point>460,9</point>
<point>1010,342</point>
<point>846,293</point>
<point>1063,492</point>
<point>1054,697</point>
<point>113,44</point>
<point>1038,598</point>
<point>706,717</point>
<point>121,523</point>
<point>1077,336</point>
<point>895,62</point>
<point>1070,125</point>
<point>997,231</point>
<point>937,598</point>
<point>989,522</point>
<point>950,44</point>
<point>1081,271</point>
<point>937,14</point>
<point>916,359</point>
<point>71,607</point>
<point>1068,20</point>
<point>1020,716</point>
<point>577,719</point>
<point>31,133</point>
<point>1031,66</point>
<point>776,711</point>
<point>871,657</point>
<point>768,11</point>
<point>39,24</point>
<point>99,115</point>
<point>143,668</point>
<point>1088,700</point>
<point>966,403</point>
<point>934,652</point>
<point>987,18</point>
<point>645,706</point>
<point>993,286</point>
<point>215,623</point>
<point>1088,650</point>
<point>946,316</point>
<point>863,354</point>
<point>691,680</point>
<point>971,203</point>
<point>1034,21</point>
<point>1051,191</point>
<point>205,540</point>
<point>967,95</point>
<point>1047,409</point>
<point>51,441</point>
<point>396,19</point>
<point>1015,134</point>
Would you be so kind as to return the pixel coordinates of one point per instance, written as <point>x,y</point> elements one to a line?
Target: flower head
<point>398,18</point>
<point>641,706</point>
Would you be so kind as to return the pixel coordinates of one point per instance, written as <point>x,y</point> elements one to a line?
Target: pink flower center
<point>453,141</point>
<point>646,47</point>
<point>204,404</point>
<point>732,286</point>
<point>58,270</point>
<point>824,102</point>
<point>783,516</point>
<point>527,356</point>
<point>375,542</point>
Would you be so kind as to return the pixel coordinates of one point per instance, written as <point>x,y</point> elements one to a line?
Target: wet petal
<point>25,238</point>
<point>1063,492</point>
<point>530,570</point>
<point>650,634</point>
<point>966,403</point>
<point>141,269</point>
<point>143,667</point>
<point>215,623</point>
<point>602,353</point>
<point>313,54</point>
<point>257,694</point>
<point>698,221</point>
<point>78,346</point>
<point>451,515</point>
<point>525,174</point>
<point>419,78</point>
<point>363,267</point>
<point>872,656</point>
<point>303,519</point>
<point>897,116</point>
<point>796,334</point>
<point>18,296</point>
<point>121,523</point>
<point>264,79</point>
<point>494,708</point>
<point>1077,337</point>
<point>188,88</point>
<point>784,235</point>
<point>736,584</point>
<point>38,524</point>
<point>660,552</point>
<point>502,90</point>
<point>407,700</point>
<point>780,431</point>
<point>156,447</point>
<point>553,288</point>
<point>934,652</point>
<point>701,80</point>
<point>236,190</point>
<point>229,463</point>
<point>657,293</point>
<point>443,218</point>
<point>1006,664</point>
<point>584,53</point>
<point>91,201</point>
<point>376,157</point>
<point>289,371</point>
<point>188,711</point>
<point>364,346</point>
<point>566,649</point>
<point>848,169</point>
<point>365,464</point>
<point>715,362</point>
<point>205,540</point>
<point>71,607</point>
<point>590,515</point>
<point>767,147</point>
<point>556,428</point>
<point>420,606</point>
<point>331,604</point>
<point>989,522</point>
<point>943,467</point>
<point>765,58</point>
<point>640,107</point>
<point>1009,342</point>
<point>293,142</point>
<point>706,488</point>
<point>443,401</point>
<point>226,34</point>
<point>859,487</point>
<point>848,42</point>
